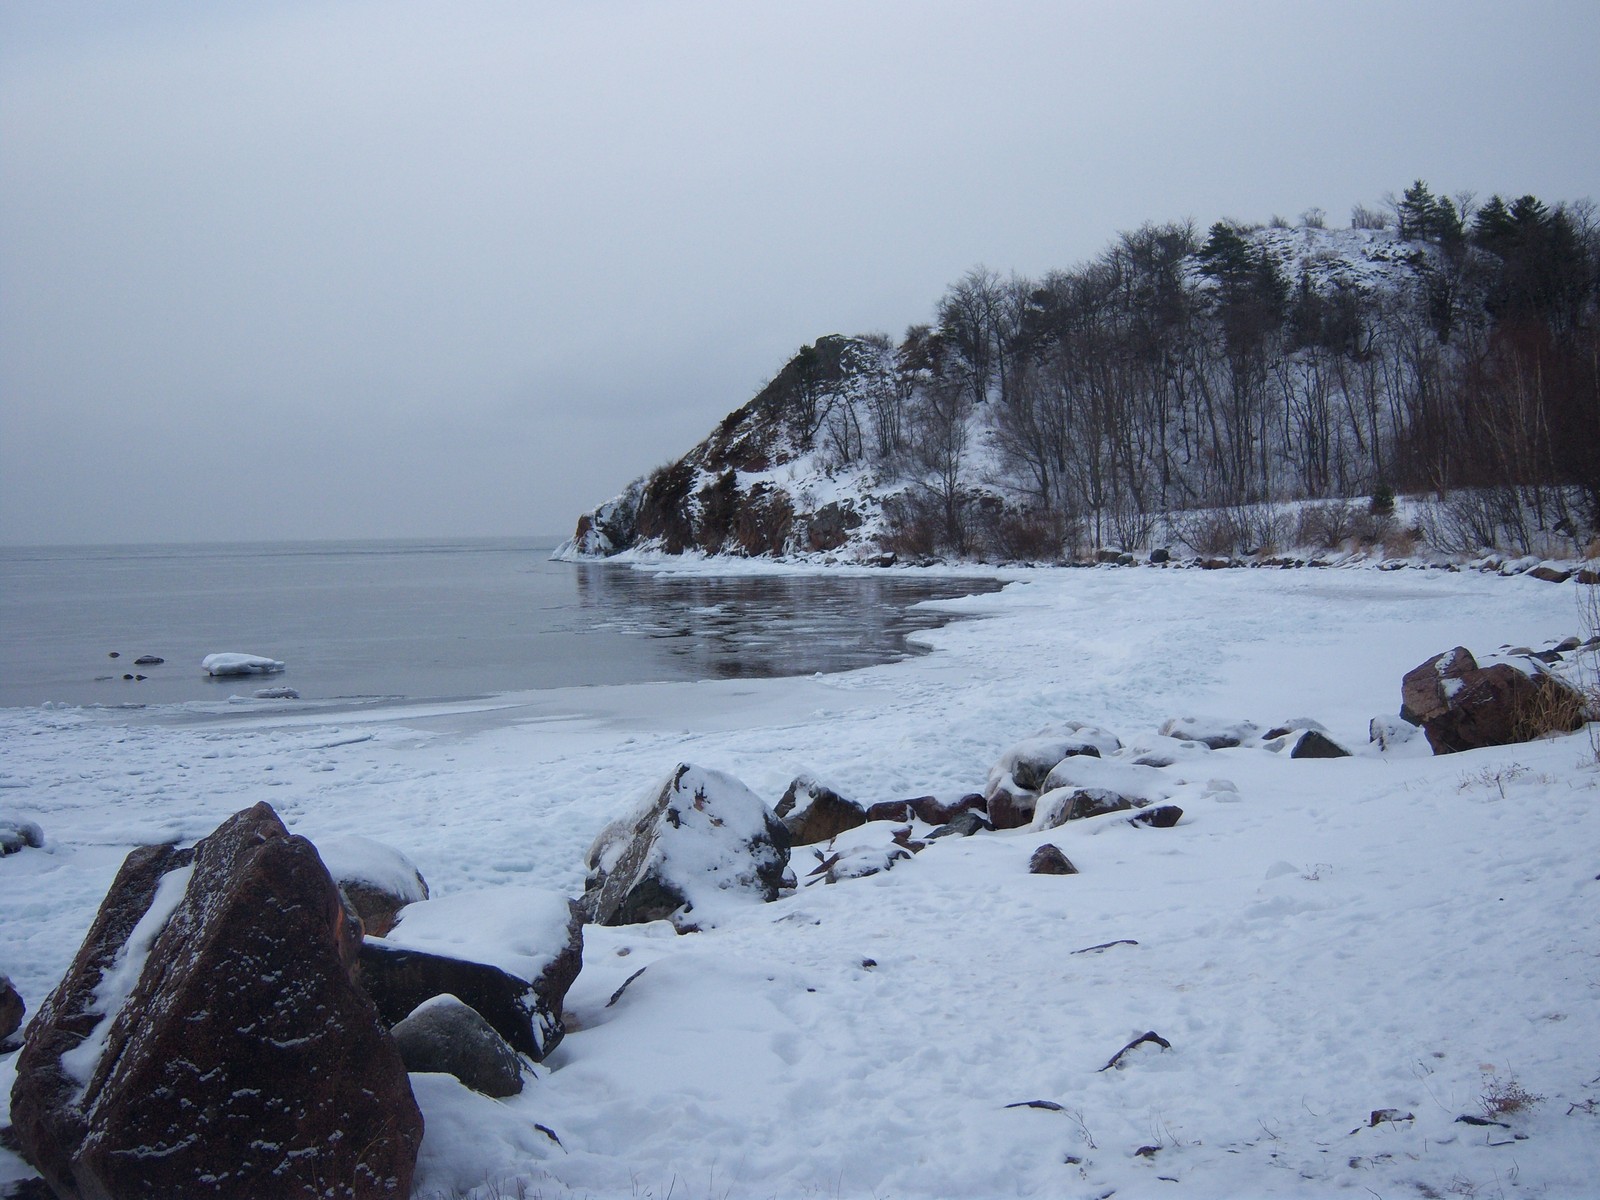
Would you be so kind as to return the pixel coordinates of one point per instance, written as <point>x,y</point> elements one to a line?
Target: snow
<point>356,859</point>
<point>239,664</point>
<point>117,983</point>
<point>1319,939</point>
<point>516,928</point>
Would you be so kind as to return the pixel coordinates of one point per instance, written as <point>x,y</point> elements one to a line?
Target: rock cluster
<point>224,1029</point>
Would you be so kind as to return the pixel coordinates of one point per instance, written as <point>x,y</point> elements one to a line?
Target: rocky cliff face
<point>785,474</point>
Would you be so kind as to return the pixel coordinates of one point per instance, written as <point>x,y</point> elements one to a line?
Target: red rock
<point>245,1062</point>
<point>1423,694</point>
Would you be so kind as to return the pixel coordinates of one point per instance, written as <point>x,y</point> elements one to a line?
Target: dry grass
<point>1551,707</point>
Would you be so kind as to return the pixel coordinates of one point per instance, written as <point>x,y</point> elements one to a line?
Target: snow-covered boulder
<point>865,850</point>
<point>813,812</point>
<point>239,664</point>
<point>1314,743</point>
<point>1219,733</point>
<point>697,843</point>
<point>1389,733</point>
<point>377,880</point>
<point>1027,762</point>
<point>214,995</point>
<point>12,1009</point>
<point>510,953</point>
<point>1077,803</point>
<point>1141,784</point>
<point>17,834</point>
<point>446,1035</point>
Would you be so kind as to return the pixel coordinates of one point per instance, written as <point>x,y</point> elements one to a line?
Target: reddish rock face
<point>245,1061</point>
<point>1423,693</point>
<point>814,813</point>
<point>49,1122</point>
<point>1011,808</point>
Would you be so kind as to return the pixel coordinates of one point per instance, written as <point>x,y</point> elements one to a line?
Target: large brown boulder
<point>698,843</point>
<point>1462,706</point>
<point>928,809</point>
<point>242,1059</point>
<point>49,1121</point>
<point>1010,807</point>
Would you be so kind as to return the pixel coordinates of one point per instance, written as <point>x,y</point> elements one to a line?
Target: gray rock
<point>1313,744</point>
<point>963,824</point>
<point>1389,732</point>
<point>448,1036</point>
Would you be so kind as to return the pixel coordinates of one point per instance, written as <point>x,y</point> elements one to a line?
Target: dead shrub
<point>913,526</point>
<point>1400,543</point>
<point>1025,535</point>
<point>1239,529</point>
<point>1504,1097</point>
<point>1326,526</point>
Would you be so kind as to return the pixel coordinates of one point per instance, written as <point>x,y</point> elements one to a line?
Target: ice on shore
<point>239,664</point>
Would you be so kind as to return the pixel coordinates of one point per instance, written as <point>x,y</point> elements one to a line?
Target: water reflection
<point>763,626</point>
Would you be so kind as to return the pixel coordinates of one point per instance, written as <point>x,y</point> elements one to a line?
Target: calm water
<point>421,620</point>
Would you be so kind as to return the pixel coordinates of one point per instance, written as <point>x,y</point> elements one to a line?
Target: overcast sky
<point>339,268</point>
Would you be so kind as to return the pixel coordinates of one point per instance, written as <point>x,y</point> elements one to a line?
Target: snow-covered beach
<point>1318,940</point>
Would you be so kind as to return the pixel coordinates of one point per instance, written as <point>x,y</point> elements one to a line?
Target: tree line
<point>1179,372</point>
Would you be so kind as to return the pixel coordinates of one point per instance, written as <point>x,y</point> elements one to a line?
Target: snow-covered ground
<point>1317,939</point>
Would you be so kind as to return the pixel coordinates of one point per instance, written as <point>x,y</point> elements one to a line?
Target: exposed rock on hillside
<point>757,485</point>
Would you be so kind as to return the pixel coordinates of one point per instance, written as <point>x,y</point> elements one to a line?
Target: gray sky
<point>354,269</point>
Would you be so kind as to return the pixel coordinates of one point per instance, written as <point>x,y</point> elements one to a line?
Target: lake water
<point>422,620</point>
